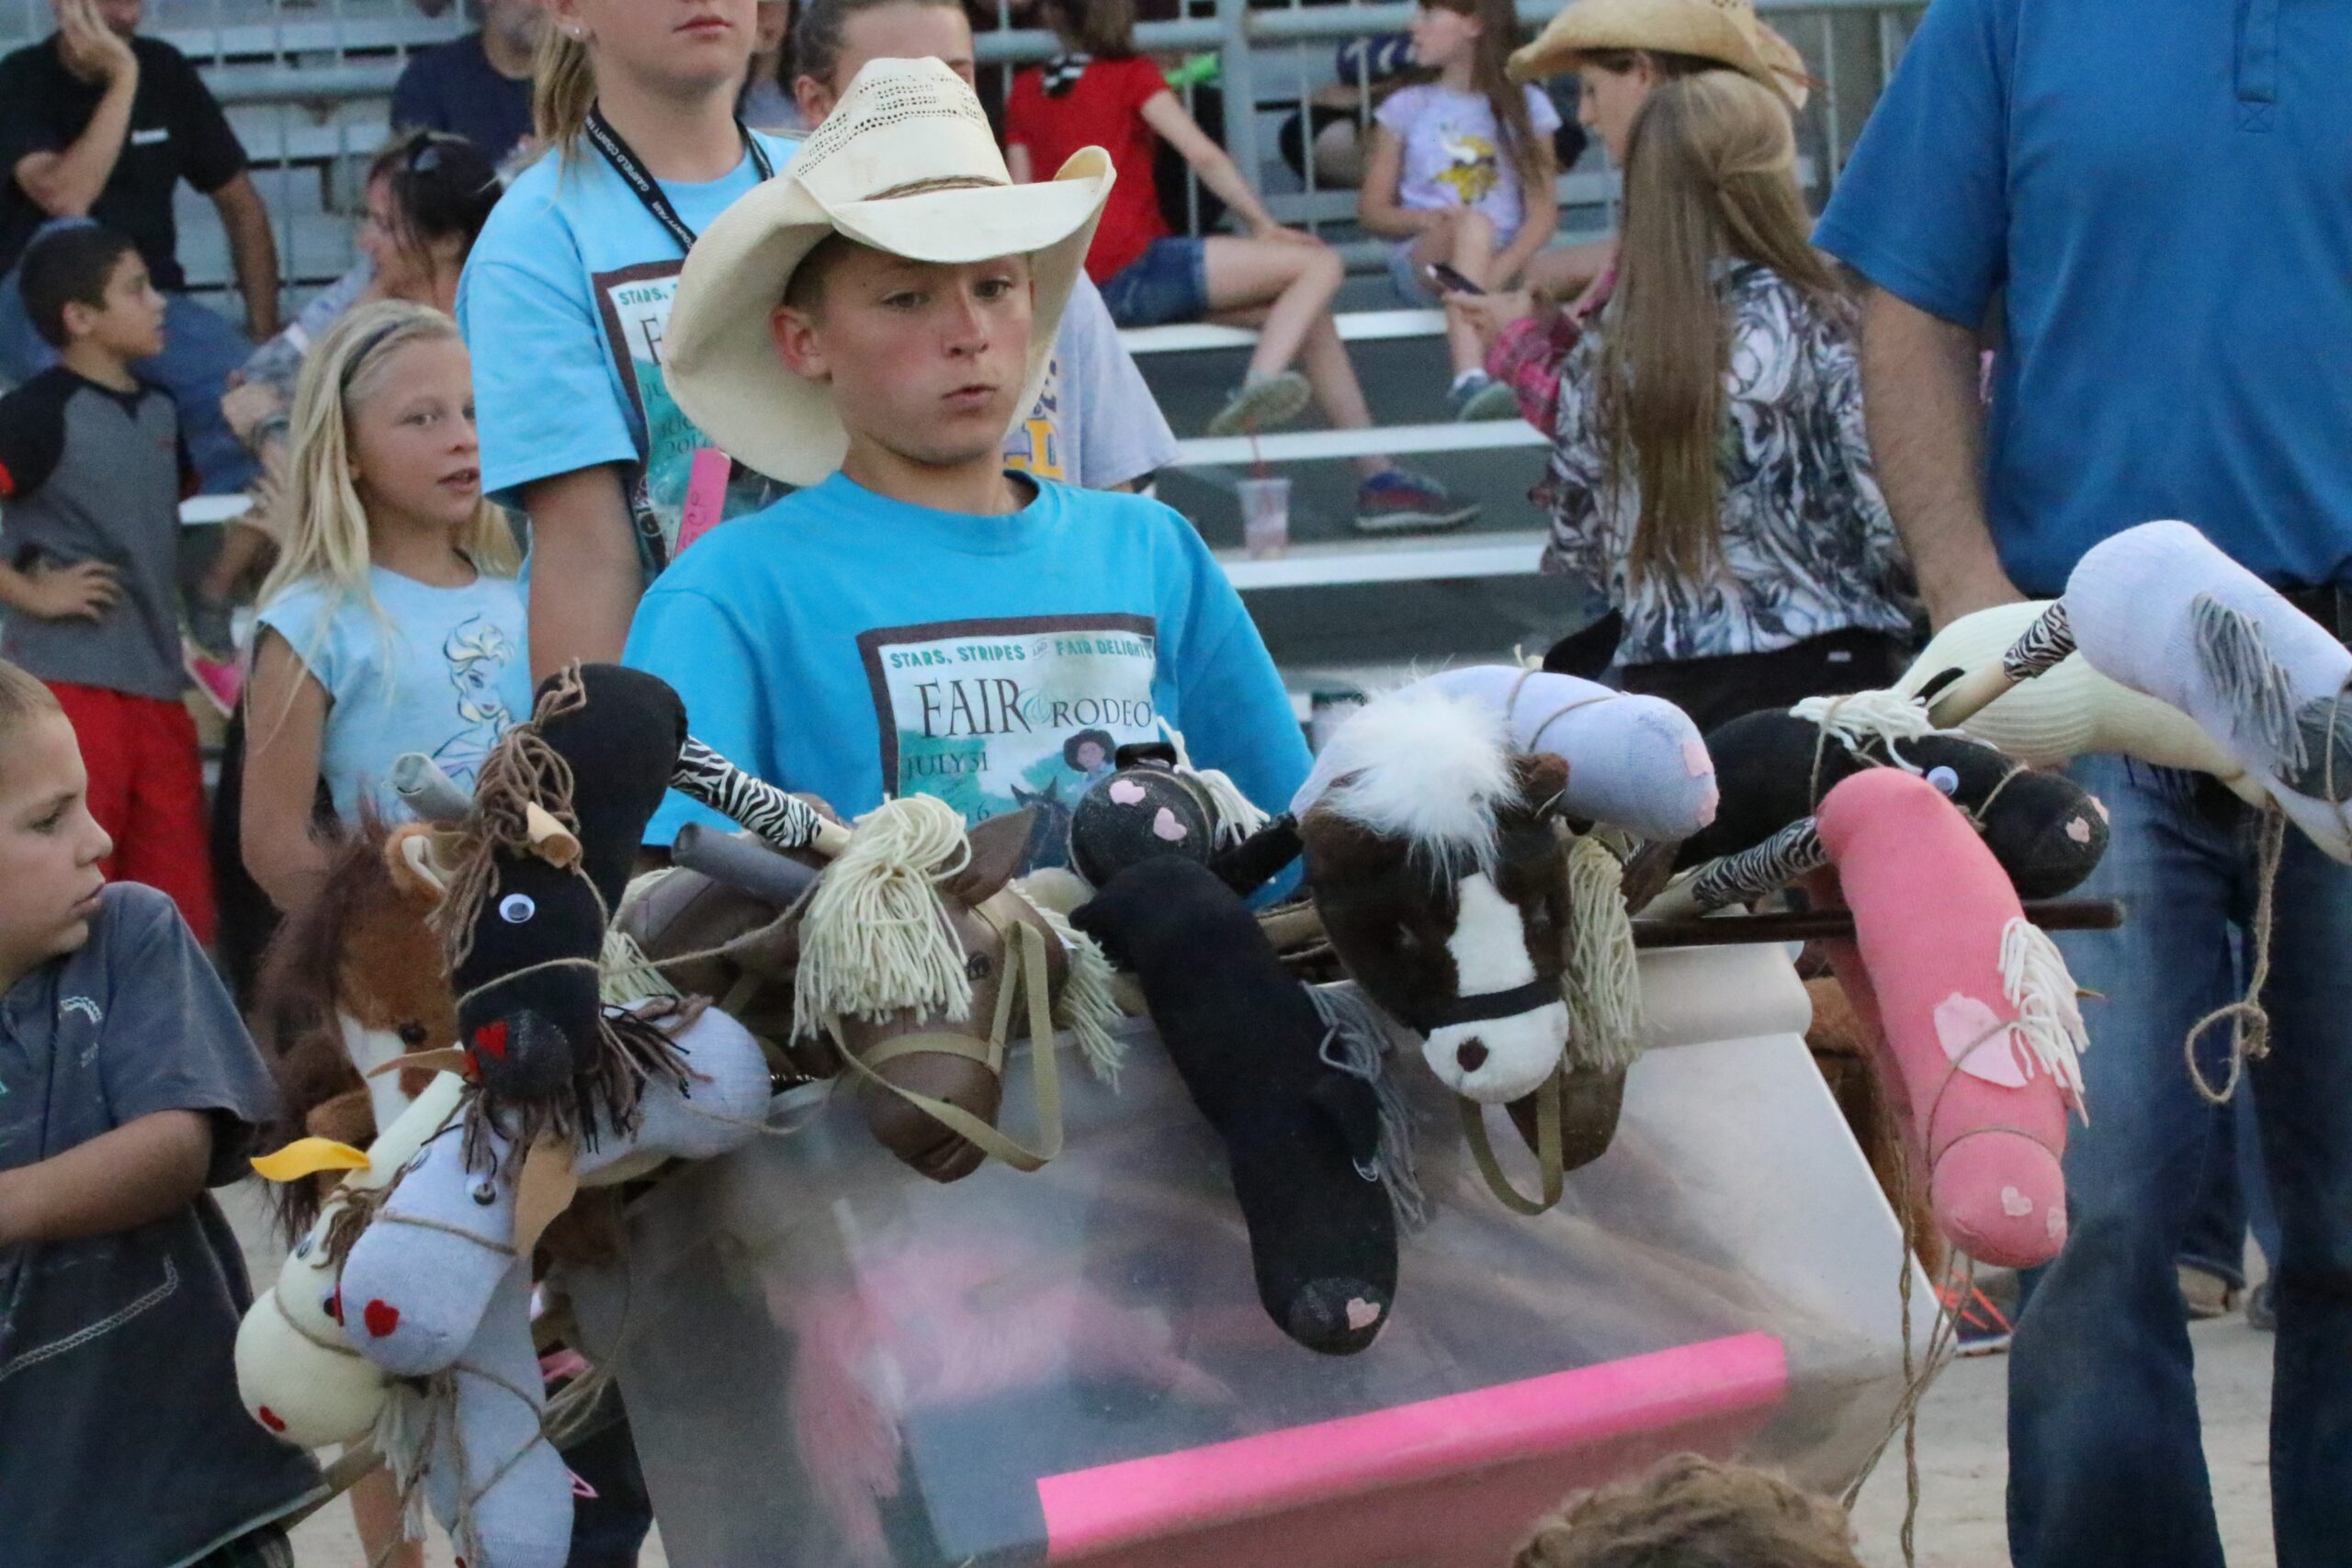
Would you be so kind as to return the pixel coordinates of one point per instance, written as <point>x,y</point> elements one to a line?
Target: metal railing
<point>309,81</point>
<point>1273,61</point>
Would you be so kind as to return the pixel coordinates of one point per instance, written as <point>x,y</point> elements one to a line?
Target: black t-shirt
<point>177,132</point>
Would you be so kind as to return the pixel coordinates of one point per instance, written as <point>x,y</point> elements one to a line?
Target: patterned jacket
<point>1808,547</point>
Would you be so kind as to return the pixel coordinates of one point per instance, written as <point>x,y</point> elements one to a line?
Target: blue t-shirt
<point>2163,191</point>
<point>442,671</point>
<point>851,645</point>
<point>453,87</point>
<point>565,303</point>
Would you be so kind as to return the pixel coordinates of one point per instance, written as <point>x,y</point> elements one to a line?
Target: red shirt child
<point>1103,108</point>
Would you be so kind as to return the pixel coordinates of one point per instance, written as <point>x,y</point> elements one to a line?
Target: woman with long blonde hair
<point>565,302</point>
<point>393,622</point>
<point>1710,470</point>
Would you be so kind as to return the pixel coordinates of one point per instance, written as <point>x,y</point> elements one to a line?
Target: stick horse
<point>424,1267</point>
<point>911,962</point>
<point>2158,610</point>
<point>359,976</point>
<point>1441,833</point>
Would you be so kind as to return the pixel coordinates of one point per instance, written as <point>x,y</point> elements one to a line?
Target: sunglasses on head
<point>426,155</point>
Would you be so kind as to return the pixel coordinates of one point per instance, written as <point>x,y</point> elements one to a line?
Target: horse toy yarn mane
<point>528,887</point>
<point>353,978</point>
<point>915,954</point>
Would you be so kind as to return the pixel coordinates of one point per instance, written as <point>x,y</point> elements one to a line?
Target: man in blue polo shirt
<point>2159,194</point>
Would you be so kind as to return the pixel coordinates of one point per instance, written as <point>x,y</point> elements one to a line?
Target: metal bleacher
<point>307,87</point>
<point>308,82</point>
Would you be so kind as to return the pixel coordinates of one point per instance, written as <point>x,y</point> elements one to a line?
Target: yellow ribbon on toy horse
<point>308,1157</point>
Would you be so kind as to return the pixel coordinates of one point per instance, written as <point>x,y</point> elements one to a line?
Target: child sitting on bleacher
<point>921,619</point>
<point>1461,177</point>
<point>93,470</point>
<point>1101,90</point>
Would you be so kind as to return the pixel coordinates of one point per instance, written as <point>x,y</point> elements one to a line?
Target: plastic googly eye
<point>1945,780</point>
<point>483,1193</point>
<point>517,908</point>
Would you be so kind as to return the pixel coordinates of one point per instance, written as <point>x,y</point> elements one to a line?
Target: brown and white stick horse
<point>354,978</point>
<point>1454,893</point>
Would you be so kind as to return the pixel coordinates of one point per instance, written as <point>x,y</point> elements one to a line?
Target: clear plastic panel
<point>828,1360</point>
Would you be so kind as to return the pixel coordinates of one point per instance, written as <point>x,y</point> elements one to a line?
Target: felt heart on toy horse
<point>1154,803</point>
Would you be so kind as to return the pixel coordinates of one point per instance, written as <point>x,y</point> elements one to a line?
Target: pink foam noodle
<point>1973,1009</point>
<point>1447,1481</point>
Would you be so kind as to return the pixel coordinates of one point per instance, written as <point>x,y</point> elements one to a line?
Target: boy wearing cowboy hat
<point>917,619</point>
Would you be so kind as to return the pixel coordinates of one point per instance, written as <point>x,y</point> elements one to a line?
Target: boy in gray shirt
<point>127,1087</point>
<point>92,473</point>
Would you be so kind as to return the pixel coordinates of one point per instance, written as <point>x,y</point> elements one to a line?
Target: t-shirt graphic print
<point>635,302</point>
<point>998,716</point>
<point>1034,445</point>
<point>565,303</point>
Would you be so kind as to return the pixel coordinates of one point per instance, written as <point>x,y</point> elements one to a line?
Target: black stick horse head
<point>528,887</point>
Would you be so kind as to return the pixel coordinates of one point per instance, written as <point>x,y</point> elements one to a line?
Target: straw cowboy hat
<point>905,164</point>
<point>1725,30</point>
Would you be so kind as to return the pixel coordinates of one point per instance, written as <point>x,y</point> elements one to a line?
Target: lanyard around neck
<point>647,189</point>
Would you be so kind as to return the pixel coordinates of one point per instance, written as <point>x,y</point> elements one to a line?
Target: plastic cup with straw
<point>1265,508</point>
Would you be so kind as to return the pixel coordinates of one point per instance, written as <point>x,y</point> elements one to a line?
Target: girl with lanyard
<point>565,302</point>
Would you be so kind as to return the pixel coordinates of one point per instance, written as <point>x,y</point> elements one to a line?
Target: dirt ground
<point>1962,1465</point>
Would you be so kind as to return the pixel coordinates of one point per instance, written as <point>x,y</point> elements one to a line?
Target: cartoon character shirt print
<point>441,671</point>
<point>1453,152</point>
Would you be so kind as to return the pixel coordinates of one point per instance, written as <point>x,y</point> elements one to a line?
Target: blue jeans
<point>201,348</point>
<point>2106,1465</point>
<point>2236,1200</point>
<point>1170,282</point>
